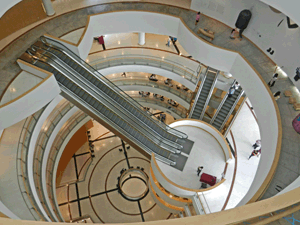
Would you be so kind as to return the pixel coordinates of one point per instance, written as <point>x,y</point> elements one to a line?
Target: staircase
<point>204,93</point>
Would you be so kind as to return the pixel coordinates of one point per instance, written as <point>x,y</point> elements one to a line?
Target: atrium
<point>130,111</point>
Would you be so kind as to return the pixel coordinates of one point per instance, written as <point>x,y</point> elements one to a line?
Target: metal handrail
<point>22,169</point>
<point>163,142</point>
<point>43,138</point>
<point>95,72</point>
<point>198,93</point>
<point>209,95</point>
<point>133,59</point>
<point>146,82</point>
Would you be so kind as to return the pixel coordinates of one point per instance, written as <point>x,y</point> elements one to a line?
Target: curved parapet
<point>30,101</point>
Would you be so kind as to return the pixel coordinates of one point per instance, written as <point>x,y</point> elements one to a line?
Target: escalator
<point>225,109</point>
<point>85,87</point>
<point>204,93</point>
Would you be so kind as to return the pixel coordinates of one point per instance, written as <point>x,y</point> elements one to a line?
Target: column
<point>142,38</point>
<point>48,7</point>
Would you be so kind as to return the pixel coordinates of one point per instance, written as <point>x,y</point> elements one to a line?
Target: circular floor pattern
<point>132,214</point>
<point>133,182</point>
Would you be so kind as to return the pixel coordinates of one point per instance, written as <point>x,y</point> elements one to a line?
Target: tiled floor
<point>285,173</point>
<point>101,177</point>
<point>245,126</point>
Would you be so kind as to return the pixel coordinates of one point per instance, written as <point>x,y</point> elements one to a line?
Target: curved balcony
<point>257,208</point>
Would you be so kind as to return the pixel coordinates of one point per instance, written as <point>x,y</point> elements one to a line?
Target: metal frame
<point>220,106</point>
<point>198,93</point>
<point>209,95</point>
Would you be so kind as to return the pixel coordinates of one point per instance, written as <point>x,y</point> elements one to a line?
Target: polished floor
<point>288,168</point>
<point>206,153</point>
<point>97,192</point>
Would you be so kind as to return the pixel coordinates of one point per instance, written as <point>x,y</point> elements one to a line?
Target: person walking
<point>255,152</point>
<point>197,18</point>
<point>277,95</point>
<point>257,144</point>
<point>199,169</point>
<point>169,41</point>
<point>273,80</point>
<point>233,88</point>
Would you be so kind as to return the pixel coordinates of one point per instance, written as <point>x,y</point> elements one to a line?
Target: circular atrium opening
<point>133,184</point>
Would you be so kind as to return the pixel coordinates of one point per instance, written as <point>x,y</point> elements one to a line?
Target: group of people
<point>160,97</point>
<point>172,103</point>
<point>271,83</point>
<point>144,94</point>
<point>173,39</point>
<point>162,117</point>
<point>233,88</point>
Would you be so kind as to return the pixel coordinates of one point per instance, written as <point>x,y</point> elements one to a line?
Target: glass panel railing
<point>179,110</point>
<point>46,131</point>
<point>185,95</point>
<point>71,54</point>
<point>55,148</point>
<point>22,165</point>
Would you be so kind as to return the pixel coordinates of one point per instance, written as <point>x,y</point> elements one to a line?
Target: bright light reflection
<point>281,71</point>
<point>296,90</point>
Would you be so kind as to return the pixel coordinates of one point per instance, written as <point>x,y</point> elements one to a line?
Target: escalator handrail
<point>43,38</point>
<point>163,140</point>
<point>162,158</point>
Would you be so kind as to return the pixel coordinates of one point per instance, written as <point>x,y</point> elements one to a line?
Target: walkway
<point>288,168</point>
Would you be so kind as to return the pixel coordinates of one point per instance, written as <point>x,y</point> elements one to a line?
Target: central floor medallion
<point>133,184</point>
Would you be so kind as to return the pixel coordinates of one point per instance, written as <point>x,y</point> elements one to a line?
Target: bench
<point>207,33</point>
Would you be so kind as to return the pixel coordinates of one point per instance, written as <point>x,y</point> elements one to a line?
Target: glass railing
<point>179,110</point>
<point>60,47</point>
<point>185,95</point>
<point>22,165</point>
<point>148,60</point>
<point>75,119</point>
<point>46,131</point>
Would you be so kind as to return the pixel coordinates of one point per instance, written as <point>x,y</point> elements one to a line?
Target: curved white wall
<point>17,110</point>
<point>148,69</point>
<point>133,21</point>
<point>263,27</point>
<point>31,149</point>
<point>214,132</point>
<point>6,5</point>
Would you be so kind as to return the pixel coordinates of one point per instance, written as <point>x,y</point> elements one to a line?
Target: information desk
<point>208,179</point>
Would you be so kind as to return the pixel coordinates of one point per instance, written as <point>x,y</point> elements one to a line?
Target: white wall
<point>30,103</point>
<point>10,192</point>
<point>262,29</point>
<point>148,69</point>
<point>214,132</point>
<point>132,21</point>
<point>31,149</point>
<point>6,5</point>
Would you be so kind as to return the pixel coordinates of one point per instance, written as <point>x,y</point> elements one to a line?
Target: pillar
<point>142,38</point>
<point>48,7</point>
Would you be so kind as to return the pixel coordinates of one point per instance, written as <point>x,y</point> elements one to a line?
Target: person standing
<point>169,41</point>
<point>197,18</point>
<point>273,80</point>
<point>233,88</point>
<point>255,152</point>
<point>277,95</point>
<point>101,41</point>
<point>199,169</point>
<point>257,144</point>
